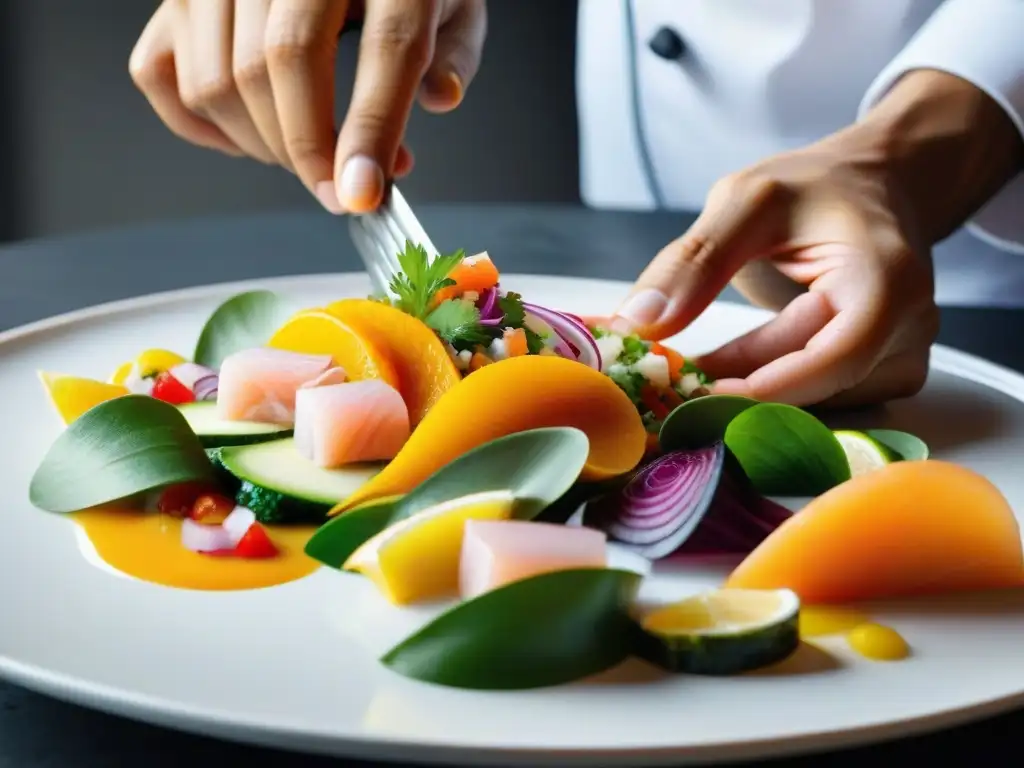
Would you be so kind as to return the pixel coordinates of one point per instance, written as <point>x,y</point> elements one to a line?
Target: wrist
<point>943,145</point>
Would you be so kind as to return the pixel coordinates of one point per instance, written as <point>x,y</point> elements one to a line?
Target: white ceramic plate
<point>295,666</point>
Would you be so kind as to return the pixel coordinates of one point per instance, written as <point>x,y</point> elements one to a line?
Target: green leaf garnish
<point>511,306</point>
<point>421,279</point>
<point>117,449</point>
<point>633,349</point>
<point>701,422</point>
<point>538,466</point>
<point>786,451</point>
<point>630,382</point>
<point>544,630</point>
<point>909,447</point>
<point>458,322</point>
<point>244,321</point>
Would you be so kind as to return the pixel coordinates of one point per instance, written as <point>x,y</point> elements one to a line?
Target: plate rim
<point>251,730</point>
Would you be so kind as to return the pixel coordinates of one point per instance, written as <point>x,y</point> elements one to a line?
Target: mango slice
<point>910,528</point>
<point>73,395</point>
<point>419,358</point>
<point>516,395</point>
<point>315,332</point>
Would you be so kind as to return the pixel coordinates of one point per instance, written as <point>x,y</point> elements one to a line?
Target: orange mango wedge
<point>316,332</point>
<point>515,395</point>
<point>910,528</point>
<point>424,369</point>
<point>73,395</point>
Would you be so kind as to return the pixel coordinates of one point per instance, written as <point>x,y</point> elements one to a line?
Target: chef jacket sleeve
<point>981,41</point>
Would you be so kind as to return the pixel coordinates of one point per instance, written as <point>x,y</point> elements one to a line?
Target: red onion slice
<point>206,387</point>
<point>190,373</point>
<point>574,333</point>
<point>541,328</point>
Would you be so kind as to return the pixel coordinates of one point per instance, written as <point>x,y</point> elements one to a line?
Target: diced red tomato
<point>211,509</point>
<point>170,390</point>
<point>649,397</point>
<point>255,544</point>
<point>178,500</point>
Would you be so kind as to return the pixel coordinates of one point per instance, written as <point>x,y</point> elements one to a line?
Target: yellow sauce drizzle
<point>817,621</point>
<point>878,642</point>
<point>148,547</point>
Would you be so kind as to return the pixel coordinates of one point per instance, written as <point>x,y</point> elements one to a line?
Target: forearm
<point>944,146</point>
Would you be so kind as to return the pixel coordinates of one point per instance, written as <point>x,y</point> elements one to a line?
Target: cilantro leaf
<point>633,348</point>
<point>421,279</point>
<point>458,322</point>
<point>534,341</point>
<point>511,306</point>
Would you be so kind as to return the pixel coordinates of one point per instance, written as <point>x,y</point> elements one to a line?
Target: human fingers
<point>404,162</point>
<point>154,71</point>
<point>787,332</point>
<point>204,32</point>
<point>301,43</point>
<point>741,220</point>
<point>460,43</point>
<point>252,77</point>
<point>839,357</point>
<point>396,47</point>
<point>900,376</point>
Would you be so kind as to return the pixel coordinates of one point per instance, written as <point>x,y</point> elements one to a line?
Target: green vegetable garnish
<point>420,279</point>
<point>633,349</point>
<point>629,382</point>
<point>689,367</point>
<point>458,322</point>
<point>244,321</point>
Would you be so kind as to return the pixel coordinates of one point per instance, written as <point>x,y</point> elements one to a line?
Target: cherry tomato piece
<point>177,500</point>
<point>256,544</point>
<point>211,509</point>
<point>170,390</point>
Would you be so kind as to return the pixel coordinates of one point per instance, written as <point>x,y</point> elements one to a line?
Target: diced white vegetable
<point>610,348</point>
<point>654,368</point>
<point>689,384</point>
<point>462,359</point>
<point>498,350</point>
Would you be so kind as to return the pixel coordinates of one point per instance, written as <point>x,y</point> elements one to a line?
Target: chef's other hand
<point>837,237</point>
<point>256,78</point>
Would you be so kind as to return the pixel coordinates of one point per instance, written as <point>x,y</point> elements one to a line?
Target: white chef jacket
<point>759,77</point>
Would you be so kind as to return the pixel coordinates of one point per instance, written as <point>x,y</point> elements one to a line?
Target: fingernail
<point>328,197</point>
<point>445,92</point>
<point>641,309</point>
<point>362,184</point>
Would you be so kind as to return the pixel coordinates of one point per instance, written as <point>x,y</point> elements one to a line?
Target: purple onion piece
<point>206,387</point>
<point>490,311</point>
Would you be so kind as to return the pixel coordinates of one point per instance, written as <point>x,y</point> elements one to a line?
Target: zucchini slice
<point>723,632</point>
<point>280,485</point>
<point>214,431</point>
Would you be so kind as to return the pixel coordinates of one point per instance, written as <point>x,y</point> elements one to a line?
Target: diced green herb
<point>534,341</point>
<point>689,367</point>
<point>633,349</point>
<point>421,279</point>
<point>629,382</point>
<point>458,322</point>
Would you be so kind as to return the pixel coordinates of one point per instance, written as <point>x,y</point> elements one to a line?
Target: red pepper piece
<point>255,544</point>
<point>170,390</point>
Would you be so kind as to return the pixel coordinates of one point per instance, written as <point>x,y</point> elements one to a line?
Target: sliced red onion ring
<point>206,387</point>
<point>190,373</point>
<point>541,328</point>
<point>197,537</point>
<point>488,305</point>
<point>573,332</point>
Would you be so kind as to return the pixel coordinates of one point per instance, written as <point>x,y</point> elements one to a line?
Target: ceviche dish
<point>527,467</point>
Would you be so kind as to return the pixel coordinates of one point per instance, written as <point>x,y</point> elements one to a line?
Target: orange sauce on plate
<point>147,545</point>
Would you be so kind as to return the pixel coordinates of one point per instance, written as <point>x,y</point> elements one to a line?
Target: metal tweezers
<point>381,235</point>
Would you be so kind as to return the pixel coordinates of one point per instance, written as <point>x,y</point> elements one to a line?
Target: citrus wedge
<point>425,369</point>
<point>316,332</point>
<point>725,631</point>
<point>863,452</point>
<point>418,558</point>
<point>72,396</point>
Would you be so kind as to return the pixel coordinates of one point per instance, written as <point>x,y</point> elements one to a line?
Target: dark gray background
<point>80,149</point>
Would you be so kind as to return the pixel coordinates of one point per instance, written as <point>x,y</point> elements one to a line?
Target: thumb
<point>740,221</point>
<point>460,42</point>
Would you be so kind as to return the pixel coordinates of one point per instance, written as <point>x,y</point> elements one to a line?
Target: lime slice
<point>723,632</point>
<point>864,453</point>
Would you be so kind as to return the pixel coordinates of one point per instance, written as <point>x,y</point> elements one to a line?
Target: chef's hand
<point>837,237</point>
<point>256,77</point>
